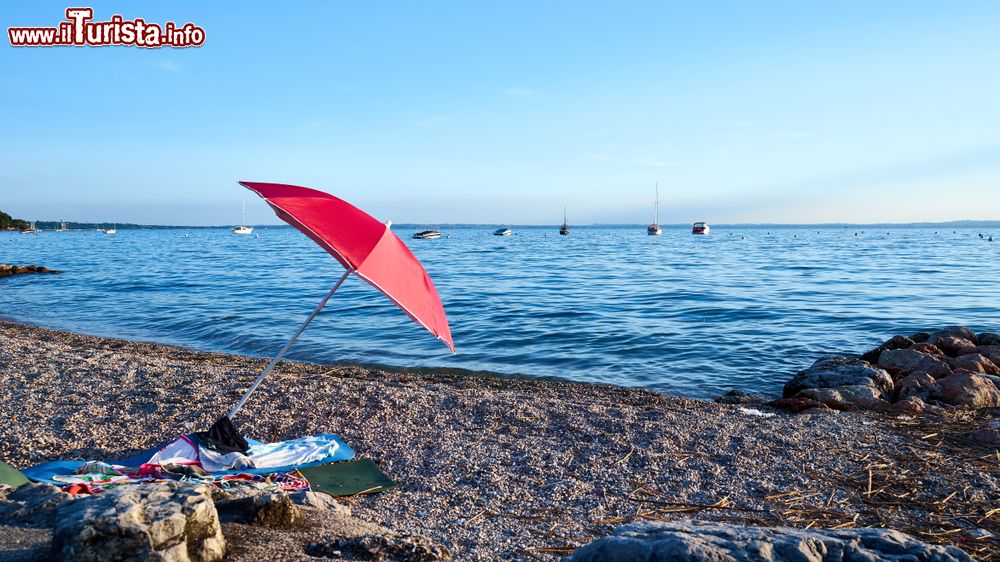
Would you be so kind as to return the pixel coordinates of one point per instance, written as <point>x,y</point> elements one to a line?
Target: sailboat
<point>242,229</point>
<point>654,229</point>
<point>31,229</point>
<point>564,230</point>
<point>63,226</point>
<point>112,230</point>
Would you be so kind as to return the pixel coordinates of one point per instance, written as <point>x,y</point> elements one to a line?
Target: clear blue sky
<point>504,111</point>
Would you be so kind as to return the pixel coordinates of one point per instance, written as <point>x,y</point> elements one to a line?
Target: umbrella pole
<point>288,345</point>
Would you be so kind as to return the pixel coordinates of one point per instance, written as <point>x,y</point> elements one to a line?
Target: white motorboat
<point>654,229</point>
<point>243,229</point>
<point>112,230</point>
<point>701,228</point>
<point>502,231</point>
<point>427,235</point>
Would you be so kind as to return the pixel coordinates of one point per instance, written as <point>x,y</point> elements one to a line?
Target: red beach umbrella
<point>365,247</point>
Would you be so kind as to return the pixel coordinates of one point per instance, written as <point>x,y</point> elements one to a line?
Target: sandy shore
<point>500,468</point>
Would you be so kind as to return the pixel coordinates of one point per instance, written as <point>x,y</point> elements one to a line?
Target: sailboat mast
<point>656,215</point>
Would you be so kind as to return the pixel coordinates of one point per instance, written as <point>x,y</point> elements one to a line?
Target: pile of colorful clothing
<point>220,456</point>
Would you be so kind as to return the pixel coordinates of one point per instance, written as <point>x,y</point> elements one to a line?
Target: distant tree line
<point>9,223</point>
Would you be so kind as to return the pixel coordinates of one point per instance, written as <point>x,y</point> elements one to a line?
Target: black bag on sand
<point>223,438</point>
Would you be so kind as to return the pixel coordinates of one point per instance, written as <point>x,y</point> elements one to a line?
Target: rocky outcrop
<point>838,371</point>
<point>166,521</point>
<point>697,541</point>
<point>970,390</point>
<point>8,270</point>
<point>31,504</point>
<point>911,360</point>
<point>920,374</point>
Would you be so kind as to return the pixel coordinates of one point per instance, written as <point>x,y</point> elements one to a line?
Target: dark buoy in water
<point>991,239</point>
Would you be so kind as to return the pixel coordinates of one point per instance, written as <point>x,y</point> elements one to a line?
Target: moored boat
<point>701,228</point>
<point>243,229</point>
<point>502,231</point>
<point>427,235</point>
<point>654,229</point>
<point>564,229</point>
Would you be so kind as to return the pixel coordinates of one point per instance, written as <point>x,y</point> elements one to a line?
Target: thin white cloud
<point>169,65</point>
<point>517,92</point>
<point>430,120</point>
<point>657,163</point>
<point>311,126</point>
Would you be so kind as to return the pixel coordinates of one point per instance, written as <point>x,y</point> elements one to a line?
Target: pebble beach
<point>496,468</point>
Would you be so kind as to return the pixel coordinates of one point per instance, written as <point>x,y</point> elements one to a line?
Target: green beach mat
<point>10,476</point>
<point>348,478</point>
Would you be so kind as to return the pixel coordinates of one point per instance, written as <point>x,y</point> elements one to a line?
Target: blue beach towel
<point>334,450</point>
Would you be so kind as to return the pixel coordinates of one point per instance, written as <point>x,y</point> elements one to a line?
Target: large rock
<point>164,521</point>
<point>961,332</point>
<point>896,342</point>
<point>846,397</point>
<point>8,270</point>
<point>988,338</point>
<point>919,385</point>
<point>952,345</point>
<point>969,390</point>
<point>837,371</point>
<point>704,541</point>
<point>975,362</point>
<point>33,504</point>
<point>910,360</point>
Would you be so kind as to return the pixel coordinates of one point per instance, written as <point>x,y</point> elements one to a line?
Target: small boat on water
<point>701,228</point>
<point>502,231</point>
<point>654,229</point>
<point>112,230</point>
<point>63,226</point>
<point>32,229</point>
<point>427,235</point>
<point>564,229</point>
<point>243,229</point>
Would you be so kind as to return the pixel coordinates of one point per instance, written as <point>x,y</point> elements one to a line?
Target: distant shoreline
<point>84,227</point>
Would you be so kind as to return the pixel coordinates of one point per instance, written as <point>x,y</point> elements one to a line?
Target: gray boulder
<point>961,332</point>
<point>969,390</point>
<point>706,541</point>
<point>837,371</point>
<point>32,504</point>
<point>847,397</point>
<point>988,338</point>
<point>911,360</point>
<point>164,521</point>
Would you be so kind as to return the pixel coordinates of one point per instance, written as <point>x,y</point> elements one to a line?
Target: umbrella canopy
<point>364,246</point>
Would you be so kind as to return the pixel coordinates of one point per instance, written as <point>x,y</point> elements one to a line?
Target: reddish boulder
<point>962,332</point>
<point>976,363</point>
<point>951,345</point>
<point>919,385</point>
<point>969,390</point>
<point>908,361</point>
<point>915,405</point>
<point>896,342</point>
<point>926,349</point>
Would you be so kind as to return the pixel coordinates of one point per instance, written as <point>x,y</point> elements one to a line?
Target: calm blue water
<point>687,315</point>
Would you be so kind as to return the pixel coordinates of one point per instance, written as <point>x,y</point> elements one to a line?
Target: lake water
<point>696,316</point>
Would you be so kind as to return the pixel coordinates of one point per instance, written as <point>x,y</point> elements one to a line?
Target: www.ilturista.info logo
<point>78,30</point>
